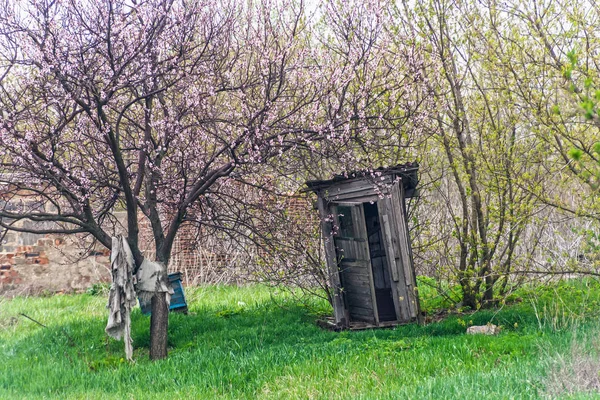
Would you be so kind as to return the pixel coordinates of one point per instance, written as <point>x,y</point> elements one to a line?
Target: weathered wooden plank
<point>351,276</point>
<point>366,311</point>
<point>363,310</point>
<point>390,253</point>
<point>358,326</point>
<point>350,249</point>
<point>357,290</point>
<point>356,300</point>
<point>343,239</point>
<point>358,197</point>
<point>391,256</point>
<point>353,280</point>
<point>362,314</point>
<point>356,267</point>
<point>351,190</point>
<point>417,301</point>
<point>363,320</point>
<point>360,291</point>
<point>344,249</point>
<point>354,264</point>
<point>401,292</point>
<point>402,235</point>
<point>358,217</point>
<point>405,250</point>
<point>332,265</point>
<point>355,247</point>
<point>362,228</point>
<point>349,187</point>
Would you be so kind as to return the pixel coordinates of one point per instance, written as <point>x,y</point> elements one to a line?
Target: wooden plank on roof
<point>346,189</point>
<point>356,184</point>
<point>363,196</point>
<point>365,189</point>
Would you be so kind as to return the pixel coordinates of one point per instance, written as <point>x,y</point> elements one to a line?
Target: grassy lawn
<point>252,342</point>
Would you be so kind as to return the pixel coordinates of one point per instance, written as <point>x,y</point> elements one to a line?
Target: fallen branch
<point>31,319</point>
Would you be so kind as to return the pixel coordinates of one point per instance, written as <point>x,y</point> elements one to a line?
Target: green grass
<point>253,343</point>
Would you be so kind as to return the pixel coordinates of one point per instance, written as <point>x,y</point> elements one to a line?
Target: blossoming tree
<point>151,106</point>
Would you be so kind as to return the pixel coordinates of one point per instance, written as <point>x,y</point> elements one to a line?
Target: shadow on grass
<point>224,351</point>
<point>206,327</point>
<point>264,325</point>
<point>247,351</point>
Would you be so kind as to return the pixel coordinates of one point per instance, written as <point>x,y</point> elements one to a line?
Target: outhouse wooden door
<point>352,253</point>
<point>395,233</point>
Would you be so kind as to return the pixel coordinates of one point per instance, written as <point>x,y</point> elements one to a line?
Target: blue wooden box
<point>178,303</point>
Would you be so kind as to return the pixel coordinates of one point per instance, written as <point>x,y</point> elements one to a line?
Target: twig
<point>31,319</point>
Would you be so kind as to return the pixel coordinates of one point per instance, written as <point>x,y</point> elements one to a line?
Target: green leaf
<point>589,108</point>
<point>567,71</point>
<point>587,104</point>
<point>575,153</point>
<point>572,56</point>
<point>572,88</point>
<point>597,147</point>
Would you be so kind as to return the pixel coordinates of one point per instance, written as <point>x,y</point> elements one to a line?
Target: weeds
<point>99,289</point>
<point>577,372</point>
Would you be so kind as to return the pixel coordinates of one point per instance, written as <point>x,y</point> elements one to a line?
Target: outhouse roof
<point>407,172</point>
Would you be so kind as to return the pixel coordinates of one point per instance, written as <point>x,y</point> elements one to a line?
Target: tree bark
<point>159,324</point>
<point>469,296</point>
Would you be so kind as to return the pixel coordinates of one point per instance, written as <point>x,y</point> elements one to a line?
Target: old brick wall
<point>34,264</point>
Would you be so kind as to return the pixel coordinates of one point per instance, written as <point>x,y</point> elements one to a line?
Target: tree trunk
<point>488,294</point>
<point>159,324</point>
<point>469,295</point>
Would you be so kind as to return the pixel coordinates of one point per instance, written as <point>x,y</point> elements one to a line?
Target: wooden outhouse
<point>367,246</point>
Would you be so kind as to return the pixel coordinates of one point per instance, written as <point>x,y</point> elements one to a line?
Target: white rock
<point>488,329</point>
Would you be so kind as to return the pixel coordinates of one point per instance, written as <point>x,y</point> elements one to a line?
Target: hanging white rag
<point>152,278</point>
<point>122,296</point>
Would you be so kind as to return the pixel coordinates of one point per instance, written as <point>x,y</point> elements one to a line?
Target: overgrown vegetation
<point>253,342</point>
<point>204,119</point>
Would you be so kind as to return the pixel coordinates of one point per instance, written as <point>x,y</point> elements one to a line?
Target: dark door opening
<point>379,264</point>
<point>352,253</point>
